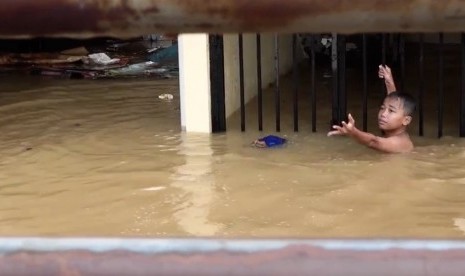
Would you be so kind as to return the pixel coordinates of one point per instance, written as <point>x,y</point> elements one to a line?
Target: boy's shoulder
<point>402,142</point>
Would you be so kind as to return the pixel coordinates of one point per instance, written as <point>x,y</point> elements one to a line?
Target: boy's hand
<point>384,72</point>
<point>345,129</point>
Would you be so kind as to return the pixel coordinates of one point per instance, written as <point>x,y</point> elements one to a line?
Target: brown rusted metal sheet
<point>230,257</point>
<point>124,18</point>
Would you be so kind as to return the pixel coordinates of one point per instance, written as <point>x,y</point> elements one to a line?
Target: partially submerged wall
<point>268,52</point>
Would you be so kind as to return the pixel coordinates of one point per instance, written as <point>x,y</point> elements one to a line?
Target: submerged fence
<point>337,59</point>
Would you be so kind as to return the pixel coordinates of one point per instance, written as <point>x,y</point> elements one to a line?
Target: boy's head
<point>396,111</point>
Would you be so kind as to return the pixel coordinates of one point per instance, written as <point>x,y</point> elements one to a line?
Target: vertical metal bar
<point>462,94</point>
<point>342,78</point>
<point>296,82</point>
<point>217,91</point>
<point>383,49</point>
<point>365,83</point>
<point>393,44</point>
<point>441,85</point>
<point>402,61</point>
<point>259,83</point>
<point>241,80</point>
<point>313,92</point>
<point>421,86</point>
<point>277,92</point>
<point>334,66</point>
<point>383,59</point>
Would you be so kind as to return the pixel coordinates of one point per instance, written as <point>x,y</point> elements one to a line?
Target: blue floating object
<point>272,141</point>
<point>165,55</point>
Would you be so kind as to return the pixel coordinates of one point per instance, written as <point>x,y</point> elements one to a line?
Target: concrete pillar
<point>194,83</point>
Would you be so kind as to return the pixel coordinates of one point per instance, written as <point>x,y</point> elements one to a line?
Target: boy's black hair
<point>408,102</point>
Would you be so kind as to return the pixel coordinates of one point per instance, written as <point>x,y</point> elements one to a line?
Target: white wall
<point>231,65</point>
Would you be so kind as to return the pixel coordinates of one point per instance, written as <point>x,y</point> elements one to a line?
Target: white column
<point>194,82</point>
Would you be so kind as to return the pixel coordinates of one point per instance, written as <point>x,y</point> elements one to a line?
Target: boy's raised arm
<point>384,72</point>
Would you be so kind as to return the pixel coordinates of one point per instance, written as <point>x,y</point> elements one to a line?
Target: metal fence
<point>394,51</point>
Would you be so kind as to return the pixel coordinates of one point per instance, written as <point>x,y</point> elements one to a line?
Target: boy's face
<point>391,115</point>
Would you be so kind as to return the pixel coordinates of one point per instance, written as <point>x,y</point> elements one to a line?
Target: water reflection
<point>195,179</point>
<point>460,224</point>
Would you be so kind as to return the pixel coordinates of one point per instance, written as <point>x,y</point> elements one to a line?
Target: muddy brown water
<point>108,158</point>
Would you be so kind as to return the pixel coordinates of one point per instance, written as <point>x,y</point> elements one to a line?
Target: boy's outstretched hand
<point>345,129</point>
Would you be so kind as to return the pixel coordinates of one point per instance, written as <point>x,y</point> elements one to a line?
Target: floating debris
<point>100,59</point>
<point>168,97</point>
<point>116,59</point>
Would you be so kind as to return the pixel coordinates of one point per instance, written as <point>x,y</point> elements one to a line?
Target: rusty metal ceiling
<point>130,18</point>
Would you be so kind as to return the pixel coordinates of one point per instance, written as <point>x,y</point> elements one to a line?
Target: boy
<point>394,115</point>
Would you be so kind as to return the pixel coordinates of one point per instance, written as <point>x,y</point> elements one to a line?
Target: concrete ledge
<point>85,256</point>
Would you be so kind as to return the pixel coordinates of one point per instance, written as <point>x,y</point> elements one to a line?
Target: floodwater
<point>108,158</point>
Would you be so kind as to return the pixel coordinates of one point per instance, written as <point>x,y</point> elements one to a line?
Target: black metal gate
<point>371,50</point>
